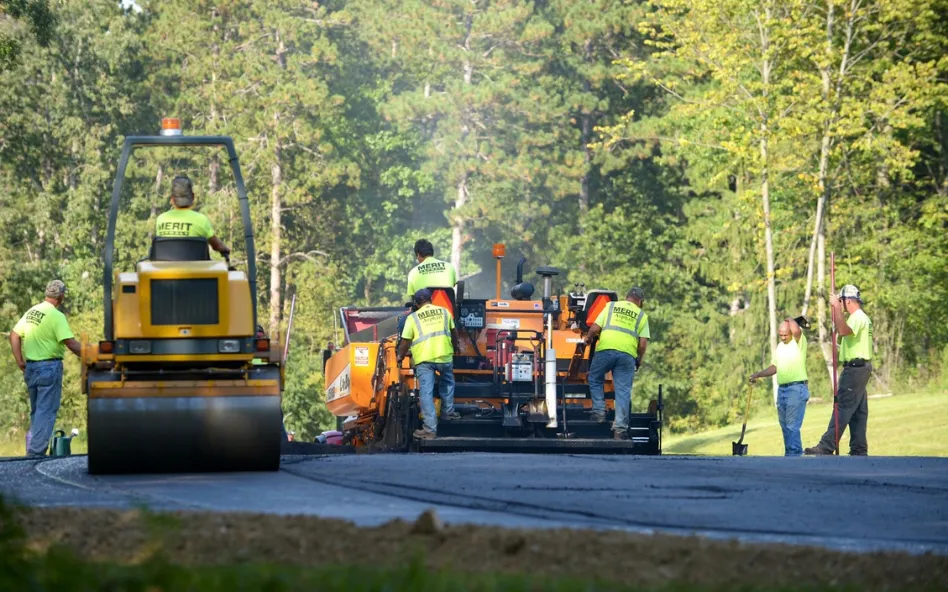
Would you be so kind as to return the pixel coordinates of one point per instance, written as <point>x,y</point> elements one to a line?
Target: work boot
<point>816,451</point>
<point>620,434</point>
<point>598,417</point>
<point>454,415</point>
<point>425,434</point>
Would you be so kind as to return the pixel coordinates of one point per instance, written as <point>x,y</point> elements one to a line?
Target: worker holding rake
<point>855,354</point>
<point>789,364</point>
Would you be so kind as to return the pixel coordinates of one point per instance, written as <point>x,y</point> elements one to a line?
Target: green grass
<point>17,447</point>
<point>901,425</point>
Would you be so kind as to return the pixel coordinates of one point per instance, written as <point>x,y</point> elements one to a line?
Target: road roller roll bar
<point>176,140</point>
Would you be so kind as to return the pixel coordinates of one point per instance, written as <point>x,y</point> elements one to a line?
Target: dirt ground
<point>218,538</point>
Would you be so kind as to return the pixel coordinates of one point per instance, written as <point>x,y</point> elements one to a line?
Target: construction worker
<point>622,329</point>
<point>433,339</point>
<point>789,364</point>
<point>39,341</point>
<point>855,355</point>
<point>183,221</point>
<point>430,272</point>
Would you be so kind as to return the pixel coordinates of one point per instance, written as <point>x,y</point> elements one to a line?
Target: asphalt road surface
<point>859,504</point>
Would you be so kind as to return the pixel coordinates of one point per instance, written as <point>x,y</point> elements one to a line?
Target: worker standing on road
<point>622,329</point>
<point>789,364</point>
<point>430,272</point>
<point>433,339</point>
<point>183,221</point>
<point>39,341</point>
<point>855,354</point>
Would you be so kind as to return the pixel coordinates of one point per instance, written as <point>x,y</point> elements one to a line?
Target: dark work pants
<point>853,411</point>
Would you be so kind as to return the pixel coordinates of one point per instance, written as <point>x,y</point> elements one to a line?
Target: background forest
<point>713,152</point>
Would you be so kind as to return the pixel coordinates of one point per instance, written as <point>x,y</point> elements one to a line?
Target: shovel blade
<point>738,449</point>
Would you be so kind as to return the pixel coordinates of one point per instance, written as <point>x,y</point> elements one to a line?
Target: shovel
<point>739,448</point>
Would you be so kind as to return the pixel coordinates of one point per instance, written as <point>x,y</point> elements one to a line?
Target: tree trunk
<point>276,211</point>
<point>276,231</point>
<point>768,245</point>
<point>457,226</point>
<point>765,196</point>
<point>586,133</point>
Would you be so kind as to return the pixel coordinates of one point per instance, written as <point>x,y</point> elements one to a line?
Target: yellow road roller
<point>181,382</point>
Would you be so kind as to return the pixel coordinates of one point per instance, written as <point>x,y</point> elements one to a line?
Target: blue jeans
<point>425,372</point>
<point>44,381</point>
<point>622,366</point>
<point>791,405</point>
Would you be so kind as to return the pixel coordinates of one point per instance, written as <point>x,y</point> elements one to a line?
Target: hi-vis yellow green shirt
<point>43,329</point>
<point>431,273</point>
<point>857,346</point>
<point>429,329</point>
<point>790,360</point>
<point>184,223</point>
<point>622,324</point>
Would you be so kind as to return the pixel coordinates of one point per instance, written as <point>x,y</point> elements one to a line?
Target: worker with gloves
<point>855,354</point>
<point>433,339</point>
<point>430,272</point>
<point>789,364</point>
<point>622,329</point>
<point>183,221</point>
<point>39,341</point>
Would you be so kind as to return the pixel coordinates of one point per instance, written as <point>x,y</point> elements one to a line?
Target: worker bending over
<point>183,221</point>
<point>38,342</point>
<point>622,329</point>
<point>789,364</point>
<point>433,339</point>
<point>430,272</point>
<point>855,354</point>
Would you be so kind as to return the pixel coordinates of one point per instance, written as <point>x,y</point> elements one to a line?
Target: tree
<point>37,16</point>
<point>728,65</point>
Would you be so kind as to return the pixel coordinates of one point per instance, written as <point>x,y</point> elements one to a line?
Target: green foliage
<point>36,14</point>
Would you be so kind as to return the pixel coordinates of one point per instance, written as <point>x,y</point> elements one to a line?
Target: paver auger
<point>520,377</point>
<point>172,387</point>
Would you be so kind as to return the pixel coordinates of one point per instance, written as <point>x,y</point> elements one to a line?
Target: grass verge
<point>900,425</point>
<point>76,549</point>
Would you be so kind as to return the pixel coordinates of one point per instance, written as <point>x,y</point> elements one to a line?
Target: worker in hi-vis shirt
<point>431,336</point>
<point>430,272</point>
<point>183,221</point>
<point>789,364</point>
<point>622,330</point>
<point>855,355</point>
<point>39,341</point>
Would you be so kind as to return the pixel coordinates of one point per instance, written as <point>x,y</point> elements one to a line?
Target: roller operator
<point>623,333</point>
<point>182,221</point>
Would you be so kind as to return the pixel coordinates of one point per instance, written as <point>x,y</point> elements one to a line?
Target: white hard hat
<point>850,291</point>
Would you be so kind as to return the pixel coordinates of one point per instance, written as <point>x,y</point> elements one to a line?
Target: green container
<point>61,444</point>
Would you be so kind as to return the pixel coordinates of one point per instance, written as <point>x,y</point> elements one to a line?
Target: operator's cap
<point>55,289</point>
<point>182,191</point>
<point>422,295</point>
<point>850,291</point>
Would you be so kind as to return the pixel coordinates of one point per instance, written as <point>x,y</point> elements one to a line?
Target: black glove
<point>225,253</point>
<point>637,363</point>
